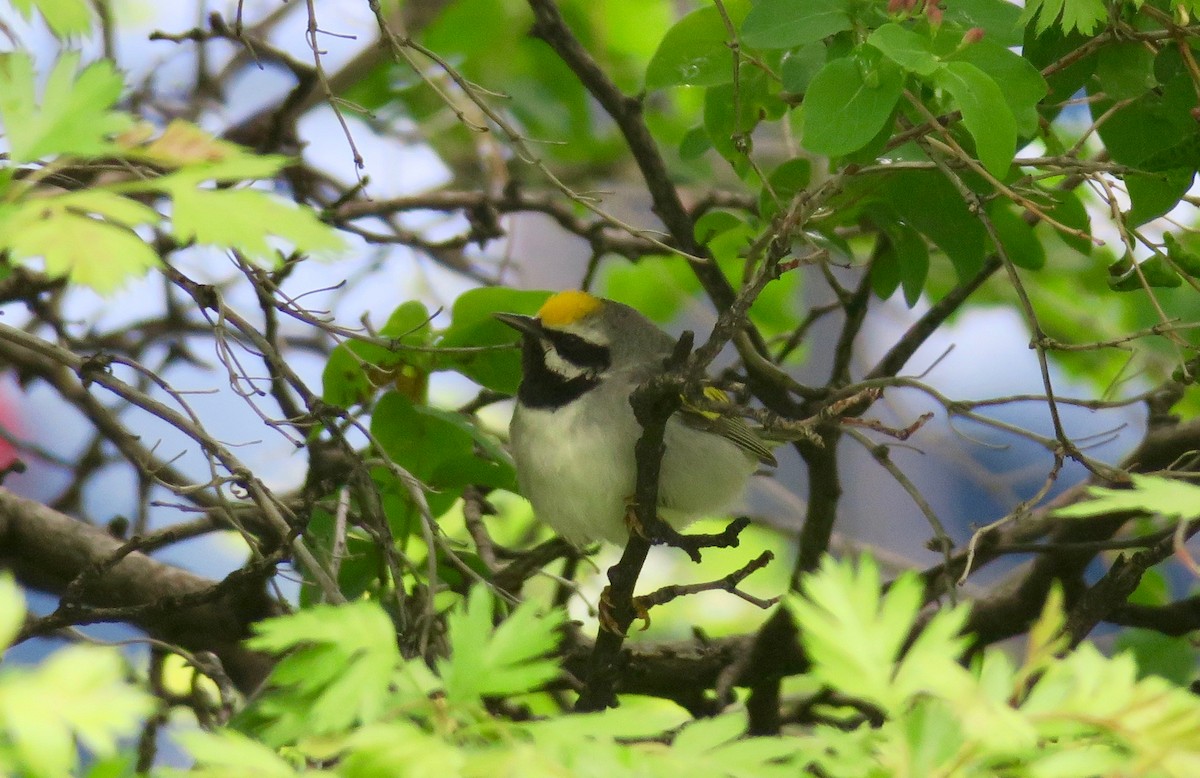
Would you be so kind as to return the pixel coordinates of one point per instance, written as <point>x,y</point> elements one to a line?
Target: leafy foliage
<point>792,151</point>
<point>80,697</point>
<point>1169,497</point>
<point>91,236</point>
<point>1079,714</point>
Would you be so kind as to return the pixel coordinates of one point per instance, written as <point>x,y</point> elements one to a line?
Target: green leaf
<point>695,51</point>
<point>73,115</point>
<point>355,369</point>
<point>694,143</point>
<point>1153,194</point>
<point>1023,85</point>
<point>1168,111</point>
<point>1149,494</point>
<point>703,735</point>
<point>727,117</point>
<point>783,24</point>
<point>1172,658</point>
<point>1184,251</point>
<point>885,268</point>
<point>346,379</point>
<point>786,180</point>
<point>1020,243</point>
<point>197,156</point>
<point>472,325</point>
<point>985,113</point>
<point>799,67</point>
<point>925,200</point>
<point>659,287</point>
<point>401,748</point>
<point>1125,70</point>
<point>244,219</point>
<point>908,49</point>
<point>1123,276</point>
<point>845,107</point>
<point>901,256</point>
<point>725,235</point>
<point>997,18</point>
<point>912,255</point>
<point>335,670</point>
<point>361,562</point>
<point>1042,49</point>
<point>715,223</point>
<point>414,439</point>
<point>1069,210</point>
<point>1184,154</point>
<point>504,660</point>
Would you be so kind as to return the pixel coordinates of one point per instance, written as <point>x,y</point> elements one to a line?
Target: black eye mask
<point>579,352</point>
<point>545,388</point>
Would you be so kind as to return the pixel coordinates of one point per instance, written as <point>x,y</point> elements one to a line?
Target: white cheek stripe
<point>556,364</point>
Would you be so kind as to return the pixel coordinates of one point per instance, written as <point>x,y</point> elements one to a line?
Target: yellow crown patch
<point>568,307</point>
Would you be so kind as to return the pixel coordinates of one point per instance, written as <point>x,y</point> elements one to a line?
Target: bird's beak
<point>527,325</point>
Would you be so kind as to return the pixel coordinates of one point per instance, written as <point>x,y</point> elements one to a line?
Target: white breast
<point>580,481</point>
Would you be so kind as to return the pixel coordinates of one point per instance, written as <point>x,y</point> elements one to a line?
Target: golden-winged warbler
<point>573,430</point>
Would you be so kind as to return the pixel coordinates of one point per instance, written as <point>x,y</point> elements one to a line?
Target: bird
<point>573,429</point>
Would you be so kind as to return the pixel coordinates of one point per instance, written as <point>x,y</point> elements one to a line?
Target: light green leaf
<point>985,114</point>
<point>851,632</point>
<point>695,51</point>
<point>1081,15</point>
<point>783,24</point>
<point>107,204</point>
<point>399,748</point>
<point>73,115</point>
<point>508,659</point>
<point>63,17</point>
<point>244,219</point>
<point>844,109</point>
<point>88,251</point>
<point>706,734</point>
<point>908,49</point>
<point>1150,494</point>
<point>339,664</point>
<point>12,610</point>
<point>78,694</point>
<point>225,751</point>
<point>194,156</point>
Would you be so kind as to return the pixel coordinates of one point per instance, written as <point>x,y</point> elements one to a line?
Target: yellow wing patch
<point>729,427</point>
<point>568,307</point>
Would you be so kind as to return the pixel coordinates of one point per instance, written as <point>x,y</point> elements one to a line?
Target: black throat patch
<point>541,386</point>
